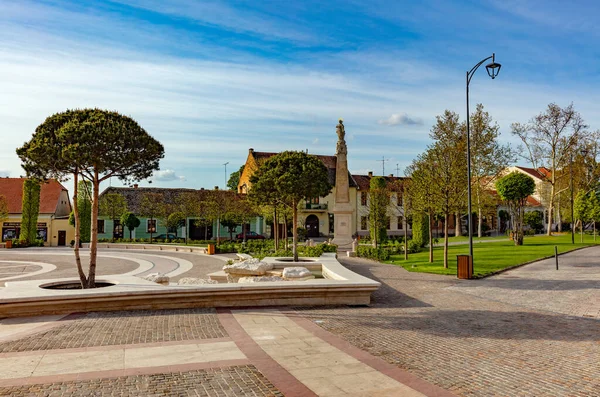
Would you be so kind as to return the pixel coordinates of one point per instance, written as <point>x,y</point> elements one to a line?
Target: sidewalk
<point>247,352</point>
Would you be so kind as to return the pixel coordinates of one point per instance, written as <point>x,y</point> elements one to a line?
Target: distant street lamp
<point>493,69</point>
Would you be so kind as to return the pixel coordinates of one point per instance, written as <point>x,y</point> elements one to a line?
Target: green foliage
<point>31,209</point>
<point>84,206</point>
<point>152,207</point>
<point>420,229</point>
<point>288,178</point>
<point>378,254</point>
<point>3,208</point>
<point>514,189</point>
<point>112,205</point>
<point>130,221</point>
<point>234,179</point>
<point>97,144</point>
<point>20,243</point>
<point>379,200</point>
<point>535,220</point>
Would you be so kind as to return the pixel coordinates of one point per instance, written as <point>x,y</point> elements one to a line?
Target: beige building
<point>317,215</point>
<point>53,219</point>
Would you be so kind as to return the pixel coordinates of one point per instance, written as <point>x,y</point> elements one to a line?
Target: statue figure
<point>341,133</point>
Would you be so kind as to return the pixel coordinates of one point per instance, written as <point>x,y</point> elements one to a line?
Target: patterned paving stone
<point>121,328</point>
<point>238,381</point>
<point>469,345</point>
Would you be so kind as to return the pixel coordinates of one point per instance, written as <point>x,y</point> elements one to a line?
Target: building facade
<point>53,219</point>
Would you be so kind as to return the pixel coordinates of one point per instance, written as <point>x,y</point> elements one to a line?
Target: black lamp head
<point>493,68</point>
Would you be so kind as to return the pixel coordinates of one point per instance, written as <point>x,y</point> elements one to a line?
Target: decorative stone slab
<point>297,273</point>
<point>244,257</point>
<point>158,278</point>
<point>249,267</point>
<point>246,280</point>
<point>195,281</point>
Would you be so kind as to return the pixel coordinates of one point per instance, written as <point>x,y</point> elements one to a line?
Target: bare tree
<point>549,140</point>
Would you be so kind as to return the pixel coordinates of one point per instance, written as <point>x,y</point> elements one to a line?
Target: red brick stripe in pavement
<point>376,363</point>
<point>279,377</point>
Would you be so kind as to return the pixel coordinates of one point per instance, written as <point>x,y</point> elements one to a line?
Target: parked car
<point>250,236</point>
<point>169,236</point>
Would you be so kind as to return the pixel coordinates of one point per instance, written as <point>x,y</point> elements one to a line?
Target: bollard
<point>556,256</point>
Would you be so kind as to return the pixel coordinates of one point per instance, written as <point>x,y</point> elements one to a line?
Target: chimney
<point>391,175</point>
<point>370,174</point>
<point>135,185</point>
<point>250,151</point>
<point>216,188</point>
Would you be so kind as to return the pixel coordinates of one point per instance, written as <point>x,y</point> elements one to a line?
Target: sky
<point>211,79</point>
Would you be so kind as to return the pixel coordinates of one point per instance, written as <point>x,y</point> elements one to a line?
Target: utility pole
<point>383,160</point>
<point>397,170</point>
<point>225,188</point>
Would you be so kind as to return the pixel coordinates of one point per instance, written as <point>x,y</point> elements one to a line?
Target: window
<point>314,201</point>
<point>363,198</point>
<point>101,226</point>
<point>331,223</point>
<point>388,222</point>
<point>399,199</point>
<point>400,223</point>
<point>151,227</point>
<point>363,223</point>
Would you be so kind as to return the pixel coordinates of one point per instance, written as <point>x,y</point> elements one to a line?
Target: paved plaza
<point>532,331</point>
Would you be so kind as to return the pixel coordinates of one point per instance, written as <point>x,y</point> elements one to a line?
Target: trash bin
<point>211,249</point>
<point>8,243</point>
<point>464,266</point>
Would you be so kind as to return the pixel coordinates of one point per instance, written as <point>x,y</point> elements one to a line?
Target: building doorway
<point>312,226</point>
<point>62,238</point>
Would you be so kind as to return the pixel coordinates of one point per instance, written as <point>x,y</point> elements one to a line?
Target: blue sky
<point>211,79</point>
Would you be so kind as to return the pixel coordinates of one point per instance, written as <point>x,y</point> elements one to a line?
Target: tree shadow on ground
<point>533,284</point>
<point>463,324</point>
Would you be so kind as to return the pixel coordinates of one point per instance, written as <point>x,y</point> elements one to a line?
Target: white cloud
<point>315,141</point>
<point>401,119</point>
<point>167,176</point>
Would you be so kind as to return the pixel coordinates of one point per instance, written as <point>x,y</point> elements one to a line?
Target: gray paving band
<point>124,328</point>
<point>237,381</point>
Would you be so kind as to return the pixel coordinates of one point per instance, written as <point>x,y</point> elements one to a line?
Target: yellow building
<point>53,218</point>
<point>317,215</point>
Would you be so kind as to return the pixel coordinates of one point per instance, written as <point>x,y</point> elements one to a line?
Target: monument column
<point>342,207</point>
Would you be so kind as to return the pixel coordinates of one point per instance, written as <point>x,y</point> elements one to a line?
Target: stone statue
<point>341,133</point>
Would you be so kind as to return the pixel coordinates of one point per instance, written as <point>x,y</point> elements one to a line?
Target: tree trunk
<point>581,231</point>
<point>479,223</point>
<point>558,217</point>
<point>82,277</point>
<point>295,231</point>
<point>285,232</point>
<point>205,231</point>
<point>275,229</point>
<point>446,241</point>
<point>430,219</point>
<point>131,230</point>
<point>94,239</point>
<point>457,225</point>
<point>405,237</point>
<point>151,230</point>
<point>551,207</point>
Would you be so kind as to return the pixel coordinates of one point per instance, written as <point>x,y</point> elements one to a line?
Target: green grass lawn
<point>492,256</point>
<point>455,239</point>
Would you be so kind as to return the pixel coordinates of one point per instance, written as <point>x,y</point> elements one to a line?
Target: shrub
<point>378,254</point>
<point>420,231</point>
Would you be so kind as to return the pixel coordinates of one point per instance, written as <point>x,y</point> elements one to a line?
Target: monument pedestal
<point>343,228</point>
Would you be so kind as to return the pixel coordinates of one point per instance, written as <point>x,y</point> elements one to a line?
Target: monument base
<point>342,235</point>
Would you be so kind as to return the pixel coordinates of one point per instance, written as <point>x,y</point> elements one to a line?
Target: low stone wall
<point>341,287</point>
<point>155,247</point>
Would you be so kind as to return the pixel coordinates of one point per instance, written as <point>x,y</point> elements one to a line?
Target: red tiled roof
<point>540,173</point>
<point>364,181</point>
<point>12,190</point>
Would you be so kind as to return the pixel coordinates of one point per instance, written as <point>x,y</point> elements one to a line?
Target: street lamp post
<point>572,201</point>
<point>493,69</point>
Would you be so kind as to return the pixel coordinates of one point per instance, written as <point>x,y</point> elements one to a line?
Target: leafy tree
<point>112,205</point>
<point>152,207</point>
<point>84,203</point>
<point>130,221</point>
<point>291,177</point>
<point>449,179</point>
<point>234,179</point>
<point>189,206</point>
<point>514,189</point>
<point>96,145</point>
<point>488,159</point>
<point>535,220</point>
<point>31,210</point>
<point>550,139</point>
<point>3,208</point>
<point>379,200</point>
<point>174,221</point>
<point>217,204</point>
<point>420,229</point>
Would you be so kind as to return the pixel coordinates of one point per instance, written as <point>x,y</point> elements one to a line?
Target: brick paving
<point>469,345</point>
<point>237,381</point>
<point>122,328</point>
